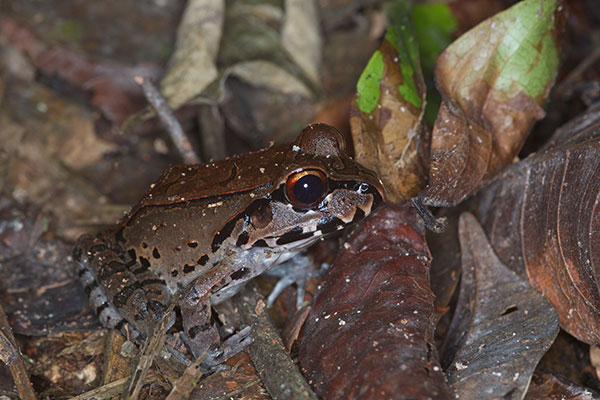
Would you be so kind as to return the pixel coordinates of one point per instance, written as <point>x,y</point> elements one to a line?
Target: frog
<point>203,230</point>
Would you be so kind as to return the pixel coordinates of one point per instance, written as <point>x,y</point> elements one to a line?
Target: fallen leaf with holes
<point>493,81</point>
<point>501,328</point>
<point>370,332</point>
<point>386,116</point>
<point>543,220</point>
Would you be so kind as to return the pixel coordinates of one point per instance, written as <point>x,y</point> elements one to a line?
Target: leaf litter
<point>542,221</point>
<point>501,327</point>
<point>369,334</point>
<point>295,69</point>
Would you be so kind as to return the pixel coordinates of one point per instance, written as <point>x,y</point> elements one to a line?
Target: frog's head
<point>320,190</point>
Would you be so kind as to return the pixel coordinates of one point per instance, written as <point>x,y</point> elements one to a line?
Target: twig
<point>109,390</point>
<point>184,386</point>
<point>233,393</point>
<point>115,366</point>
<point>434,225</point>
<point>276,369</point>
<point>165,114</point>
<point>152,346</point>
<point>576,72</point>
<point>11,356</point>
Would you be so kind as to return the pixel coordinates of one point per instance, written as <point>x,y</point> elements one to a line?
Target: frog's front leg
<point>201,334</point>
<point>127,295</point>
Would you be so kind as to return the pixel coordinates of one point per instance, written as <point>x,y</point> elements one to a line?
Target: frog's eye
<point>306,188</point>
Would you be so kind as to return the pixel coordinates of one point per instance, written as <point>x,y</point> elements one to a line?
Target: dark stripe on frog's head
<point>324,227</point>
<point>294,235</point>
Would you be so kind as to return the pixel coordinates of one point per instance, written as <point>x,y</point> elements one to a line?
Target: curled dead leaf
<point>192,66</point>
<point>543,221</point>
<point>386,117</point>
<point>493,81</point>
<point>370,332</point>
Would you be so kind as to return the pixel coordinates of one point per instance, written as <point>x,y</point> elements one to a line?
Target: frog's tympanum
<point>206,229</point>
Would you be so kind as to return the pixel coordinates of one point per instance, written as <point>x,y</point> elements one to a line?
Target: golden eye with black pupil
<point>306,188</point>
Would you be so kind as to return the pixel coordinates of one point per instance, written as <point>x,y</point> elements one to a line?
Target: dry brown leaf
<point>542,219</point>
<point>493,81</point>
<point>386,116</point>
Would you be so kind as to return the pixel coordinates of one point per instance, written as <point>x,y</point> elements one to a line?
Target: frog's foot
<point>297,270</point>
<point>217,355</point>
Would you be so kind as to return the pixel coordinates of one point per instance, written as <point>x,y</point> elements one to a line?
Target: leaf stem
<point>158,102</point>
<point>431,223</point>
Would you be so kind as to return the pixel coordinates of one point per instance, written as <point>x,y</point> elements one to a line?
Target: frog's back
<point>181,183</point>
<point>180,242</point>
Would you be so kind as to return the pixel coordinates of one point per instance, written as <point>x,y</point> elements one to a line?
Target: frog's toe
<point>231,346</point>
<point>295,271</point>
<point>282,283</point>
<point>238,341</point>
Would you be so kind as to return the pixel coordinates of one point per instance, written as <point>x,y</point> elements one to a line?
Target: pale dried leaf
<point>268,75</point>
<point>192,67</point>
<point>301,36</point>
<point>80,146</point>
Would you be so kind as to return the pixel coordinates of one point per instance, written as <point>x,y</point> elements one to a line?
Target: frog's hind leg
<point>202,336</point>
<point>124,293</point>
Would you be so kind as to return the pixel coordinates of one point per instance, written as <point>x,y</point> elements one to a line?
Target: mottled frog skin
<point>203,230</point>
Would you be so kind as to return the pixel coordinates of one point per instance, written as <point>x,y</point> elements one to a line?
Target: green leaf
<point>520,53</point>
<point>528,57</point>
<point>434,25</point>
<point>401,36</point>
<point>368,83</point>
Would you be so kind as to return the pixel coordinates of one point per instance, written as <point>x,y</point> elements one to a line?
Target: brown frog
<point>206,229</point>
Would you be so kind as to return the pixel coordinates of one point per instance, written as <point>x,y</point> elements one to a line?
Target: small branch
<point>151,348</point>
<point>576,72</point>
<point>184,386</point>
<point>115,365</point>
<point>431,223</point>
<point>165,114</point>
<point>110,390</point>
<point>107,391</point>
<point>280,375</point>
<point>11,356</point>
